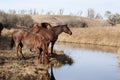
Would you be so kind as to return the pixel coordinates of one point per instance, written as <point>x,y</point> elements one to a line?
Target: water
<point>88,65</point>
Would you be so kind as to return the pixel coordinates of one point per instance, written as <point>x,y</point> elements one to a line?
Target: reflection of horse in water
<point>52,74</point>
<point>46,75</point>
<point>1,28</point>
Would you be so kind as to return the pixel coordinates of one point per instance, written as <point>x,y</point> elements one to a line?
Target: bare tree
<point>61,11</point>
<point>90,13</point>
<point>98,16</point>
<point>107,14</point>
<point>30,11</point>
<point>79,13</point>
<point>22,11</point>
<point>113,19</point>
<point>12,11</point>
<point>34,11</point>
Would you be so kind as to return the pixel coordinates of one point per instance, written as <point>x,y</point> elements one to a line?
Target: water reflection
<point>44,74</point>
<point>59,59</point>
<point>108,49</point>
<point>89,64</point>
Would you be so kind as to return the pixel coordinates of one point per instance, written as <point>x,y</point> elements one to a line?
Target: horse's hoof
<point>19,59</point>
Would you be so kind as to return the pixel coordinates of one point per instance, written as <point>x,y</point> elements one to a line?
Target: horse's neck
<point>57,31</point>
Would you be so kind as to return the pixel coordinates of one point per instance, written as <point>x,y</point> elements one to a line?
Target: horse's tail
<point>12,43</point>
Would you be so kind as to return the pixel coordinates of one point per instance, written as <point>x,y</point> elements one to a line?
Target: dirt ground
<point>11,68</point>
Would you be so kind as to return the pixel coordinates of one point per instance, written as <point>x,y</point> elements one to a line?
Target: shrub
<point>77,23</point>
<point>13,20</point>
<point>25,20</point>
<point>113,19</point>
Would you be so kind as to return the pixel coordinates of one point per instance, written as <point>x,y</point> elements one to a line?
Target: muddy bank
<point>11,68</point>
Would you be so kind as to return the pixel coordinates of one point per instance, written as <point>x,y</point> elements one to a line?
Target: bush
<point>77,23</point>
<point>13,20</point>
<point>113,19</point>
<point>25,20</point>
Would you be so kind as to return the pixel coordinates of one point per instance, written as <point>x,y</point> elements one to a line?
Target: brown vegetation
<point>108,36</point>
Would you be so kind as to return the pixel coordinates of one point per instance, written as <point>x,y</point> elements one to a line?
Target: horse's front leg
<point>52,45</point>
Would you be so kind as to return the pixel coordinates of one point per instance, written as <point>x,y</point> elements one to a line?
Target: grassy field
<point>107,36</point>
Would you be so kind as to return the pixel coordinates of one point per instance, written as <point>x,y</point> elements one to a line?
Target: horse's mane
<point>56,27</point>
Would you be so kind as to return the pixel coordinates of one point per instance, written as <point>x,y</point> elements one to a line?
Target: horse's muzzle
<point>70,33</point>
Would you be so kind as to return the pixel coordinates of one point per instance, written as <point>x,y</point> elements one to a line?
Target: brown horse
<point>1,28</point>
<point>52,34</point>
<point>32,41</point>
<point>56,31</point>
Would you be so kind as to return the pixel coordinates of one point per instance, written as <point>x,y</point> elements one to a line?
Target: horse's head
<point>66,29</point>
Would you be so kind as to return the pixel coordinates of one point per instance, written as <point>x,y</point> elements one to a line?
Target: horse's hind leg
<point>20,50</point>
<point>17,49</point>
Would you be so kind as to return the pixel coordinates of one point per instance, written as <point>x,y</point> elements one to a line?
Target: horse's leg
<point>20,50</point>
<point>52,45</point>
<point>17,49</point>
<point>39,54</point>
<point>22,53</point>
<point>45,58</point>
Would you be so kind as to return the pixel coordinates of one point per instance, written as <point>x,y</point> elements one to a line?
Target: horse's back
<point>46,33</point>
<point>32,40</point>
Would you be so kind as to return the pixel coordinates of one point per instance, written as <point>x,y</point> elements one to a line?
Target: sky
<point>69,6</point>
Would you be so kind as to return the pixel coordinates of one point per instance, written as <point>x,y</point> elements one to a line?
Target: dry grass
<point>109,36</point>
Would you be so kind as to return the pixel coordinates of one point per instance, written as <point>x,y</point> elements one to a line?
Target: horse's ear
<point>49,27</point>
<point>66,25</point>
